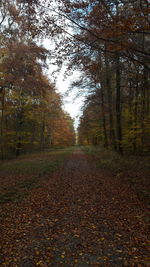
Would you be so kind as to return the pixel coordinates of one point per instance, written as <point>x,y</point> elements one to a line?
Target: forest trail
<point>81,216</point>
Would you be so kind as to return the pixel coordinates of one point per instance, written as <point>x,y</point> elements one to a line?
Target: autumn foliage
<point>31,113</point>
<point>110,46</point>
<point>107,41</point>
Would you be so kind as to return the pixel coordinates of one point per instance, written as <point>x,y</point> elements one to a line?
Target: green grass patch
<point>12,195</point>
<point>132,169</point>
<point>91,150</point>
<point>28,184</point>
<point>40,165</point>
<point>29,173</point>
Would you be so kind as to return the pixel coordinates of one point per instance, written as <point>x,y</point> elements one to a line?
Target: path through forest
<point>82,216</point>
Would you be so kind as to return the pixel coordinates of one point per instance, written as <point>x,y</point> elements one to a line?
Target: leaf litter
<point>80,216</point>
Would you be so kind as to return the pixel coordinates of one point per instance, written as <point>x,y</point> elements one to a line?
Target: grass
<point>12,195</point>
<point>135,170</point>
<point>36,164</point>
<point>28,184</point>
<point>27,173</point>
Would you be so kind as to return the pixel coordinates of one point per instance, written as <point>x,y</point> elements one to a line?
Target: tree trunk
<point>110,108</point>
<point>19,146</point>
<point>18,132</point>
<point>42,133</point>
<point>102,101</point>
<point>103,117</point>
<point>2,123</point>
<point>118,106</point>
<point>135,115</point>
<point>33,136</point>
<point>143,108</point>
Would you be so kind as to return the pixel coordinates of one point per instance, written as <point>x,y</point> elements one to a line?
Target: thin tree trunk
<point>143,94</point>
<point>19,137</point>
<point>130,106</point>
<point>19,146</point>
<point>33,136</point>
<point>135,116</point>
<point>2,123</point>
<point>103,118</point>
<point>110,108</point>
<point>42,133</point>
<point>143,109</point>
<point>102,105</point>
<point>118,106</point>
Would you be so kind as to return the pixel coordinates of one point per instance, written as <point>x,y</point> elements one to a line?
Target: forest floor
<point>65,208</point>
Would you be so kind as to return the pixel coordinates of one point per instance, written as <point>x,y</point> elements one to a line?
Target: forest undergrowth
<point>129,168</point>
<point>18,177</point>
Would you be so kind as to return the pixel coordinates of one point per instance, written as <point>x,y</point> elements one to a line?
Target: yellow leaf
<point>76,235</point>
<point>37,252</point>
<point>38,263</point>
<point>101,238</point>
<point>93,226</point>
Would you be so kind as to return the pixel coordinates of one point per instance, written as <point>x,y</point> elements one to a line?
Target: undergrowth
<point>132,169</point>
<point>28,173</point>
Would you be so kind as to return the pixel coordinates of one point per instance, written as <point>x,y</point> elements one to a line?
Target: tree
<point>108,33</point>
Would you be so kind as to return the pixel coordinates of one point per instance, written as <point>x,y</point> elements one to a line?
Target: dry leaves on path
<point>81,216</point>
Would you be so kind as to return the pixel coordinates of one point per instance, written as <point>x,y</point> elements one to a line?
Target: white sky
<point>71,104</point>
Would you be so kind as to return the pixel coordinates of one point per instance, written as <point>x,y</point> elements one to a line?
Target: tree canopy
<point>31,113</point>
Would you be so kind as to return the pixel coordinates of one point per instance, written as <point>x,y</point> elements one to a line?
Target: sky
<point>71,103</point>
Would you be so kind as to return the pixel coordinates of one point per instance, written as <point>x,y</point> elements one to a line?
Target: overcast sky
<point>72,104</point>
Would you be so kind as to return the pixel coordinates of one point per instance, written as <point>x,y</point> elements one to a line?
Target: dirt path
<point>80,217</point>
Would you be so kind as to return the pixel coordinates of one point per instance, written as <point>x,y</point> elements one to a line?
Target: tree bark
<point>19,135</point>
<point>118,106</point>
<point>2,123</point>
<point>103,117</point>
<point>110,108</point>
<point>42,133</point>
